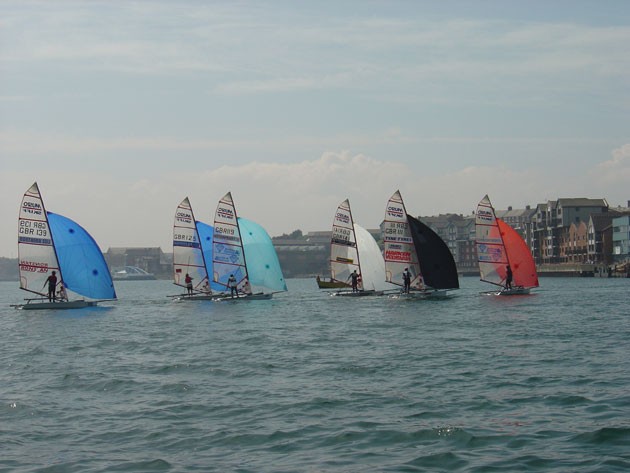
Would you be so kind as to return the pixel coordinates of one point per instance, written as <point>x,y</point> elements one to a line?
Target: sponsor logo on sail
<point>396,212</point>
<point>183,217</point>
<point>224,212</point>
<point>342,217</point>
<point>485,215</point>
<point>32,208</point>
<point>339,259</point>
<point>398,256</point>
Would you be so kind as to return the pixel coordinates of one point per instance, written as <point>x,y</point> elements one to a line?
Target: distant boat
<point>500,246</point>
<point>244,250</point>
<point>412,245</point>
<point>329,283</point>
<point>352,248</point>
<point>49,242</point>
<point>192,251</point>
<point>131,273</point>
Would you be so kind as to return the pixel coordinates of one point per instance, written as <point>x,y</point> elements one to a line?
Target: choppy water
<point>310,383</point>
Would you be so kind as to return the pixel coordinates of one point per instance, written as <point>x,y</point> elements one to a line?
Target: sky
<point>121,109</point>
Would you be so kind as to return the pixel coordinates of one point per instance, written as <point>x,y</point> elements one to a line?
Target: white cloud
<point>124,211</point>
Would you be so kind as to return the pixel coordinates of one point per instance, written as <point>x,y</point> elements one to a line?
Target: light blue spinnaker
<point>81,261</point>
<point>206,233</point>
<point>263,266</point>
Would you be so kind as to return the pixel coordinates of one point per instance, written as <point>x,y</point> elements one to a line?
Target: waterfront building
<point>552,222</point>
<point>621,238</point>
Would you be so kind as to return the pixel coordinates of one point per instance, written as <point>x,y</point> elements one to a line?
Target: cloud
<point>123,210</point>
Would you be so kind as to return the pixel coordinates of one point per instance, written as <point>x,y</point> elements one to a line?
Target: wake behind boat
<point>416,258</point>
<point>503,256</point>
<point>57,253</point>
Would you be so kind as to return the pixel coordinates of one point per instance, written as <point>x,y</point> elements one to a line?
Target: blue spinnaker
<point>206,232</point>
<point>82,265</point>
<point>263,266</point>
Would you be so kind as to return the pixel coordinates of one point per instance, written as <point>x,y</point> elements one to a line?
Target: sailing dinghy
<point>411,245</point>
<point>353,248</point>
<point>500,246</point>
<point>244,250</point>
<point>47,243</point>
<point>192,249</point>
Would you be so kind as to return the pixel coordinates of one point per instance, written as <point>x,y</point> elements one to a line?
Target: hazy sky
<point>119,110</point>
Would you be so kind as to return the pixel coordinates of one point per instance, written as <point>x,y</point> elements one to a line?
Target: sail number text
<point>29,227</point>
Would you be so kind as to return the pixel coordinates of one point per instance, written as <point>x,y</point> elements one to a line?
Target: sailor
<point>232,285</point>
<point>247,288</point>
<point>61,292</point>
<point>508,277</point>
<point>52,286</point>
<point>406,281</point>
<point>355,281</point>
<point>188,280</point>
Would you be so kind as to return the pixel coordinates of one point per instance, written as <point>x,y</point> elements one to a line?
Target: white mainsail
<point>228,257</point>
<point>372,268</point>
<point>344,256</point>
<point>400,251</point>
<point>491,252</point>
<point>36,252</point>
<point>188,255</point>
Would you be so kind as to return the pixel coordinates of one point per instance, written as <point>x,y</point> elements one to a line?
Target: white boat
<point>131,273</point>
<point>500,247</point>
<point>242,249</point>
<point>352,248</point>
<point>192,249</point>
<point>411,245</point>
<point>50,243</point>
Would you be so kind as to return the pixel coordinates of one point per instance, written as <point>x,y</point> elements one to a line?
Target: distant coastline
<point>312,265</point>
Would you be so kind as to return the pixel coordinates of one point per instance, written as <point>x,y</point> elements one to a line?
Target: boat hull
<point>423,295</point>
<point>330,284</point>
<point>80,304</point>
<point>356,293</point>
<point>515,291</point>
<point>243,297</point>
<point>194,297</point>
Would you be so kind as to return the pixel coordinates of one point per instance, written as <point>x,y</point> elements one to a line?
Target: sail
<point>83,267</point>
<point>206,234</point>
<point>372,268</point>
<point>228,257</point>
<point>188,256</point>
<point>519,257</point>
<point>399,250</point>
<point>498,245</point>
<point>490,249</point>
<point>36,253</point>
<point>263,267</point>
<point>344,257</point>
<point>436,260</point>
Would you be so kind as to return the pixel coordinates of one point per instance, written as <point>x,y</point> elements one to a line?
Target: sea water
<point>306,382</point>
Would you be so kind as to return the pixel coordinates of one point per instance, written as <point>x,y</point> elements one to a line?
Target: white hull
<point>423,295</point>
<point>243,297</point>
<point>194,297</point>
<point>515,291</point>
<point>357,294</point>
<point>56,305</point>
